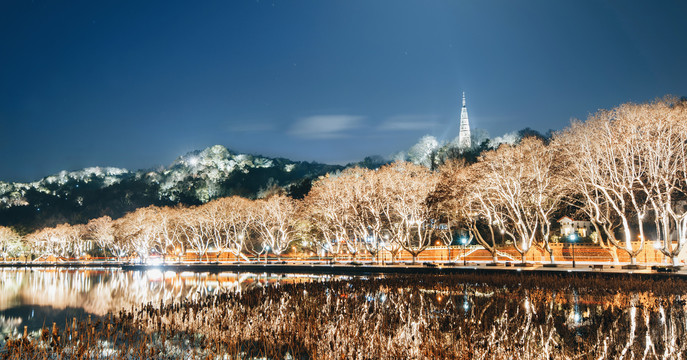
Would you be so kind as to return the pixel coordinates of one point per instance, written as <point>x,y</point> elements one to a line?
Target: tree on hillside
<point>423,153</point>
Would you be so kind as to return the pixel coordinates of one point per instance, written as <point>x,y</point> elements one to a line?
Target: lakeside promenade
<point>295,267</point>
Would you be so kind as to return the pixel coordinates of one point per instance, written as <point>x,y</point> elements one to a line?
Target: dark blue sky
<point>134,84</point>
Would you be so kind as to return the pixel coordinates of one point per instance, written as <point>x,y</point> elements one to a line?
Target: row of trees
<point>357,210</point>
<point>624,169</point>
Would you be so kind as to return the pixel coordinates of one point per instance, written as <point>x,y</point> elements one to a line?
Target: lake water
<point>37,297</point>
<point>533,320</point>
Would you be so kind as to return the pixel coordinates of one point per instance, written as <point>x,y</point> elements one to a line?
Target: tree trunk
<point>522,256</point>
<point>633,260</point>
<point>614,255</point>
<point>414,258</point>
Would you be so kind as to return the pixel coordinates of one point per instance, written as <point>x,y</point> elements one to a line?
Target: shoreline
<point>591,270</point>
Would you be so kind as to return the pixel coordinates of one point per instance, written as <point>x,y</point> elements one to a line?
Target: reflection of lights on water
<point>154,274</point>
<point>107,352</point>
<point>131,291</point>
<point>663,314</point>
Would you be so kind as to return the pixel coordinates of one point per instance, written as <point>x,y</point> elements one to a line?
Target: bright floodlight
<point>573,237</point>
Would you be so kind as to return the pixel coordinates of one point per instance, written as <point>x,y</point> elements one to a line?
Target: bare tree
<point>462,203</point>
<point>168,233</point>
<point>49,242</point>
<point>10,243</point>
<point>197,228</point>
<point>139,231</point>
<point>274,221</point>
<point>101,231</point>
<point>75,236</point>
<point>628,158</point>
<point>508,184</point>
<point>547,186</point>
<point>407,189</point>
<point>582,193</point>
<point>663,125</point>
<point>121,245</point>
<point>328,206</point>
<point>231,222</point>
<point>370,203</point>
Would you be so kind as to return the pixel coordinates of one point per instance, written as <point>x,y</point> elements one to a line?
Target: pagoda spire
<point>464,140</point>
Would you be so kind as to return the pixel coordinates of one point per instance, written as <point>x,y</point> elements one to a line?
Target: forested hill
<point>194,178</point>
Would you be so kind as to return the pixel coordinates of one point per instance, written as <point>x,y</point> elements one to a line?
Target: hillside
<point>193,178</point>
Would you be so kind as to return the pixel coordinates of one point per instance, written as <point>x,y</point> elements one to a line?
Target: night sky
<point>135,84</point>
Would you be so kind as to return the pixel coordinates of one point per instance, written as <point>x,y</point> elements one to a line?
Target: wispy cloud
<point>409,123</point>
<point>325,126</point>
<point>251,127</point>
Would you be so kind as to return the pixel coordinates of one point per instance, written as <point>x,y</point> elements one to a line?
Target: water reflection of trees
<point>10,284</point>
<point>102,291</point>
<point>407,318</point>
<point>476,316</point>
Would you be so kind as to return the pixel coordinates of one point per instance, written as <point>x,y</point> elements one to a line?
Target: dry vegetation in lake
<point>410,317</point>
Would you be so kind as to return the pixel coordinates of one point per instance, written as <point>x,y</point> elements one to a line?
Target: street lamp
<point>573,238</point>
<point>464,241</point>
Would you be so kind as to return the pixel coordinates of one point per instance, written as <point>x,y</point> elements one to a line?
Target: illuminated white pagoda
<point>464,136</point>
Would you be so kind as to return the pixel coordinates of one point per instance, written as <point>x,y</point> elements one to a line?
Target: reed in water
<point>450,317</point>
